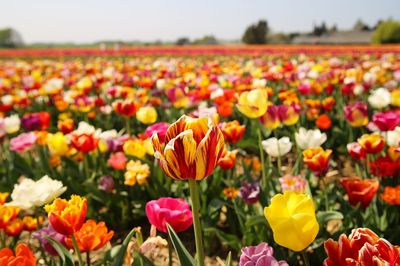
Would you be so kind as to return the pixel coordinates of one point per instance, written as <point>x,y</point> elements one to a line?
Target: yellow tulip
<point>292,219</point>
<point>396,97</point>
<point>254,103</point>
<point>135,148</point>
<point>146,115</point>
<point>58,144</point>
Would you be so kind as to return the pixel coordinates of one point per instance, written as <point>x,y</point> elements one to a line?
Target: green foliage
<point>256,33</point>
<point>10,38</point>
<point>387,32</point>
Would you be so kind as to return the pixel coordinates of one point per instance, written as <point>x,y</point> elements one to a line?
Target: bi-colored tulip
<point>357,114</point>
<point>193,148</point>
<point>23,256</point>
<point>317,159</point>
<point>372,143</point>
<point>232,131</point>
<point>292,219</point>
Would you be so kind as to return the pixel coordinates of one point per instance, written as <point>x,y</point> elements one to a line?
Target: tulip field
<point>275,155</point>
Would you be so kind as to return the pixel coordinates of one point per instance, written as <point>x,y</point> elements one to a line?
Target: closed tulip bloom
<point>14,228</point>
<point>84,142</point>
<point>232,131</point>
<point>386,121</point>
<point>23,142</point>
<point>172,211</point>
<point>317,159</point>
<point>253,104</point>
<point>30,223</point>
<point>360,191</point>
<point>292,219</point>
<point>357,114</point>
<point>311,138</point>
<point>117,161</point>
<point>7,214</point>
<point>227,161</point>
<point>289,114</point>
<point>356,151</point>
<point>67,217</point>
<point>49,232</point>
<point>92,236</point>
<point>134,147</point>
<point>372,143</point>
<point>276,148</point>
<point>160,128</point>
<point>12,124</point>
<point>23,256</point>
<point>58,144</point>
<point>66,125</point>
<point>146,115</point>
<point>193,148</point>
<point>125,108</point>
<point>270,119</point>
<point>393,137</point>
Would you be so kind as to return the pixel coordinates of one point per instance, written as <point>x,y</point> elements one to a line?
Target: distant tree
<point>256,33</point>
<point>182,41</point>
<point>387,32</point>
<point>208,39</point>
<point>10,38</point>
<point>333,28</point>
<point>360,26</point>
<point>319,30</point>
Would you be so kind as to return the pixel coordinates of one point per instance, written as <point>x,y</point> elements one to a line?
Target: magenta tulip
<point>386,121</point>
<point>175,212</point>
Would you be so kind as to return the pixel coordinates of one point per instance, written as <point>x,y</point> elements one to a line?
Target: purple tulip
<point>106,183</point>
<point>31,122</point>
<point>249,192</point>
<point>49,232</point>
<point>260,255</point>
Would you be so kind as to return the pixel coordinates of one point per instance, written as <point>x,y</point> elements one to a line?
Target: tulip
<point>386,121</point>
<point>7,214</point>
<point>289,114</point>
<point>146,115</point>
<point>30,122</point>
<point>362,247</point>
<point>125,108</point>
<point>372,143</point>
<point>253,104</point>
<point>270,119</point>
<point>228,160</point>
<point>117,161</point>
<point>30,223</point>
<point>232,131</point>
<point>107,184</point>
<point>192,151</point>
<point>66,125</point>
<point>323,122</point>
<point>12,124</point>
<point>277,148</point>
<point>262,254</point>
<point>356,151</point>
<point>84,142</point>
<point>136,172</point>
<point>357,114</point>
<point>360,191</point>
<point>317,159</point>
<point>23,142</point>
<point>231,192</point>
<point>134,147</point>
<point>58,144</point>
<point>175,212</point>
<point>380,98</point>
<point>159,128</point>
<point>391,195</point>
<point>14,228</point>
<point>249,192</point>
<point>292,219</point>
<point>393,137</point>
<point>49,232</point>
<point>307,139</point>
<point>23,256</point>
<point>3,197</point>
<point>67,217</point>
<point>92,236</point>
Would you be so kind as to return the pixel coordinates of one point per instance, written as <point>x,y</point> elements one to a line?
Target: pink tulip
<point>175,212</point>
<point>159,128</point>
<point>23,142</point>
<point>386,121</point>
<point>117,161</point>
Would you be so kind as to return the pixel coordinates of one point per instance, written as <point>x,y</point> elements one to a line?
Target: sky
<point>83,21</point>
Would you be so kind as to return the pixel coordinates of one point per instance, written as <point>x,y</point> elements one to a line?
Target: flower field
<point>264,155</point>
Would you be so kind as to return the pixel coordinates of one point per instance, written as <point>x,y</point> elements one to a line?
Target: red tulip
<point>360,191</point>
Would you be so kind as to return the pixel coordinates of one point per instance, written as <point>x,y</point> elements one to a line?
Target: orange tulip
<point>372,143</point>
<point>67,217</point>
<point>126,107</point>
<point>84,142</point>
<point>391,195</point>
<point>233,131</point>
<point>14,228</point>
<point>7,214</point>
<point>91,236</point>
<point>3,197</point>
<point>66,126</point>
<point>317,159</point>
<point>228,160</point>
<point>323,122</point>
<point>30,223</point>
<point>23,256</point>
<point>193,148</point>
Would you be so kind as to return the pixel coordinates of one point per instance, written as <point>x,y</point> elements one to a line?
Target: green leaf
<point>141,260</point>
<point>228,261</point>
<point>119,256</point>
<point>325,216</point>
<point>256,220</point>
<point>65,257</point>
<point>184,256</point>
<point>226,239</point>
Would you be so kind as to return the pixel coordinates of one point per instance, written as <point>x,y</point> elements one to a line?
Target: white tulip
<point>12,124</point>
<point>311,138</point>
<point>380,98</point>
<point>30,193</point>
<point>276,148</point>
<point>393,137</point>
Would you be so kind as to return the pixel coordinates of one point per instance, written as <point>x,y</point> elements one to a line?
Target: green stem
<point>88,258</point>
<point>77,251</point>
<point>169,251</point>
<point>128,125</point>
<point>264,177</point>
<point>305,258</point>
<point>194,196</point>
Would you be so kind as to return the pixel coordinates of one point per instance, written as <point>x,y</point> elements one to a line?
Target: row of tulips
<point>280,159</point>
